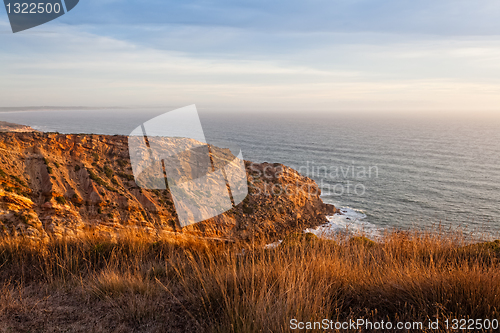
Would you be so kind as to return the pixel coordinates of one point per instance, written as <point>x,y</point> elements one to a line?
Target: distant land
<point>56,108</point>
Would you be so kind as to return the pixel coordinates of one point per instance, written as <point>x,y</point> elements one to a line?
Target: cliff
<point>54,184</point>
<point>10,127</point>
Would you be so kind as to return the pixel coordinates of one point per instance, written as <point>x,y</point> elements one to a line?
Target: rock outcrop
<point>55,184</point>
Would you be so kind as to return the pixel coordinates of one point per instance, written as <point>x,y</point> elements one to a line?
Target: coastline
<point>421,182</point>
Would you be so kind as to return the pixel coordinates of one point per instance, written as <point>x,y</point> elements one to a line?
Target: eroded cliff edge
<point>55,184</point>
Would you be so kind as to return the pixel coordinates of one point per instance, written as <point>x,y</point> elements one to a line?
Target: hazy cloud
<point>328,55</point>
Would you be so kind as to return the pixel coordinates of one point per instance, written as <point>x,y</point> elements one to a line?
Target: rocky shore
<point>63,185</point>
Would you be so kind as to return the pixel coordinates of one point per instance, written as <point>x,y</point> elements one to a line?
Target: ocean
<point>382,171</point>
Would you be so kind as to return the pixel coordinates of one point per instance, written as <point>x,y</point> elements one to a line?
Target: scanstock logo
<point>28,14</point>
<point>171,152</point>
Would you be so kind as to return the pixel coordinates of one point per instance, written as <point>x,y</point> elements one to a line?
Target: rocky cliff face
<point>54,184</point>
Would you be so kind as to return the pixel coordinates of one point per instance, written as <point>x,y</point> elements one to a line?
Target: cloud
<point>445,17</point>
<point>335,55</point>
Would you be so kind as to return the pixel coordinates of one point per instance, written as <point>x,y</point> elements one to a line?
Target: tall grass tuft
<point>175,283</point>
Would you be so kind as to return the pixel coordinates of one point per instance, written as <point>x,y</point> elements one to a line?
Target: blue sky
<point>402,56</point>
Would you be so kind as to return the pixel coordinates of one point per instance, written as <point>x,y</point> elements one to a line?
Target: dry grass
<point>141,283</point>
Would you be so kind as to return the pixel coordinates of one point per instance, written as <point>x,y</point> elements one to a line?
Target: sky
<point>315,55</point>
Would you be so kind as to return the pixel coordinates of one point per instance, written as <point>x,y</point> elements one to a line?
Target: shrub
<point>25,218</point>
<point>126,176</point>
<point>96,178</point>
<point>101,182</point>
<point>362,241</point>
<point>247,209</point>
<point>299,238</point>
<point>61,200</point>
<point>18,180</point>
<point>122,163</point>
<point>486,247</point>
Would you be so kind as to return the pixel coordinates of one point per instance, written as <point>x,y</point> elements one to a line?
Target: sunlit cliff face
<point>66,184</point>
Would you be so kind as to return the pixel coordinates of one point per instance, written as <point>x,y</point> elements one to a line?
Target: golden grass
<point>144,283</point>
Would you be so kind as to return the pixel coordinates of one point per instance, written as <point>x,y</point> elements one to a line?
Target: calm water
<point>389,172</point>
